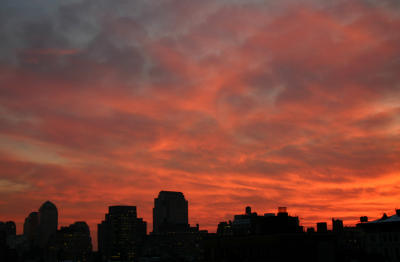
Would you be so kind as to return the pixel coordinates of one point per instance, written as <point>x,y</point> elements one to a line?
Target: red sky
<point>233,103</point>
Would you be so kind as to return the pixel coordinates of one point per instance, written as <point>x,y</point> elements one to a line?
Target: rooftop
<point>394,218</point>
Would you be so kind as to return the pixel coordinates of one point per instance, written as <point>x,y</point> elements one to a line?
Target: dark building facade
<point>337,225</point>
<point>170,213</point>
<point>225,229</point>
<point>8,228</point>
<point>322,227</point>
<point>251,223</point>
<point>73,243</point>
<point>268,237</point>
<point>174,246</point>
<point>48,223</point>
<point>382,237</point>
<point>7,231</point>
<point>121,234</point>
<point>31,226</point>
<point>278,247</point>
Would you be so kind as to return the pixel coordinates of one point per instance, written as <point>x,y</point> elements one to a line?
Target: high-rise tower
<point>48,223</point>
<point>31,225</point>
<point>170,212</point>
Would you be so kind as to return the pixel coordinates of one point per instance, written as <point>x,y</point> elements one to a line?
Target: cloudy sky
<point>262,103</point>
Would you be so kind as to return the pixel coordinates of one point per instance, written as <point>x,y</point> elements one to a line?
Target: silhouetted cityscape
<point>122,236</point>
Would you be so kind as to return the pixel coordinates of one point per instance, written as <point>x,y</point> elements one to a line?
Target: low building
<point>251,223</point>
<point>382,236</point>
<point>322,227</point>
<point>74,243</point>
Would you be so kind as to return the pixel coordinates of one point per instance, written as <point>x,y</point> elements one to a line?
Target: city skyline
<point>235,103</point>
<point>20,229</point>
<point>122,236</point>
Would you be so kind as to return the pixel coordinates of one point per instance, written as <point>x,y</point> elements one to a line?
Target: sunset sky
<point>234,102</point>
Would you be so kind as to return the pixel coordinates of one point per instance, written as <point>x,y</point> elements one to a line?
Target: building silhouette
<point>73,243</point>
<point>382,236</point>
<point>225,228</point>
<point>7,231</point>
<point>337,225</point>
<point>31,226</point>
<point>248,237</point>
<point>251,223</point>
<point>170,213</point>
<point>121,234</point>
<point>8,228</point>
<point>268,237</point>
<point>172,238</point>
<point>48,223</point>
<point>322,227</point>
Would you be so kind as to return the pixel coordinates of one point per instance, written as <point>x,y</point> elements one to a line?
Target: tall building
<point>121,234</point>
<point>31,225</point>
<point>74,243</point>
<point>48,223</point>
<point>337,225</point>
<point>170,212</point>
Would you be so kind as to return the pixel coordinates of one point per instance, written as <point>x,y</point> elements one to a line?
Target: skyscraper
<point>121,234</point>
<point>31,225</point>
<point>48,223</point>
<point>170,212</point>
